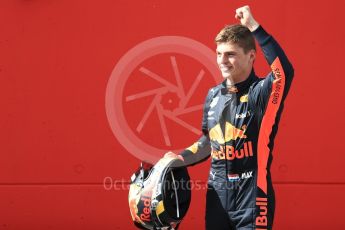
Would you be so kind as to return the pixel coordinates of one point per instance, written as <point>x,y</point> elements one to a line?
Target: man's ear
<point>252,56</point>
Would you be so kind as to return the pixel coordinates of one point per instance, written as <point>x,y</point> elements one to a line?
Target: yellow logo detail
<point>244,98</point>
<point>216,134</point>
<point>232,133</point>
<point>193,148</point>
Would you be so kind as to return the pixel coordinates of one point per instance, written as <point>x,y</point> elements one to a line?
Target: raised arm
<point>268,44</point>
<point>282,71</point>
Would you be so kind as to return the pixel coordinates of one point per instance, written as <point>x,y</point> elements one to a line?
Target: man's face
<point>233,62</point>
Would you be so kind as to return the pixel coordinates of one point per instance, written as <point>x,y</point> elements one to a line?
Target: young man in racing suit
<point>240,120</point>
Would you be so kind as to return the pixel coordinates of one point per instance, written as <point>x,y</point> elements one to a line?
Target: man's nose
<point>223,59</point>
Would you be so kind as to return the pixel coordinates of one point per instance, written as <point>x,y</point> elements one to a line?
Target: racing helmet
<point>159,196</point>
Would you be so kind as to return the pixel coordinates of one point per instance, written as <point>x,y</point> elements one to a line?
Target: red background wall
<point>56,145</point>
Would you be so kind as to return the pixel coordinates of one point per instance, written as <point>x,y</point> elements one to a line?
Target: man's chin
<point>226,75</point>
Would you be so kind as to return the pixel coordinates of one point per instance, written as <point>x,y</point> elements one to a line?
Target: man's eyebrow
<point>226,52</point>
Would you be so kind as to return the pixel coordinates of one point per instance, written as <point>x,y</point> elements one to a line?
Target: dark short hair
<point>237,34</point>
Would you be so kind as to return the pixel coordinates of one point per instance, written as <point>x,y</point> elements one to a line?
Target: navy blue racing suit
<point>239,126</point>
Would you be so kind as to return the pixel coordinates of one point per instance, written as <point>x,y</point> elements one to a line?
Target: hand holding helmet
<point>159,196</point>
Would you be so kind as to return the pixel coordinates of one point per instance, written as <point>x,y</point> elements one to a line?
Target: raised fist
<point>246,18</point>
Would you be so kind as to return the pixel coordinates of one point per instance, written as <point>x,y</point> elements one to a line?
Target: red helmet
<point>159,196</point>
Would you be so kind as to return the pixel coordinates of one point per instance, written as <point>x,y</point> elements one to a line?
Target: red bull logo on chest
<point>229,153</point>
<point>231,133</point>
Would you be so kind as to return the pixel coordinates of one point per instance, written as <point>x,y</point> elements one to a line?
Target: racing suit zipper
<point>223,129</point>
<point>228,114</point>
